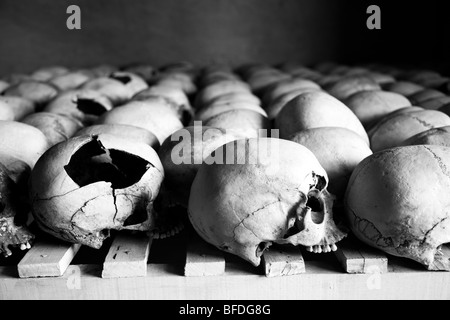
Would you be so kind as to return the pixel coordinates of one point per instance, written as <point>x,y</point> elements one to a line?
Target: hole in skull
<point>2,207</point>
<point>262,247</point>
<point>104,233</point>
<point>93,163</point>
<point>316,206</point>
<point>138,216</point>
<point>91,107</point>
<point>320,182</point>
<point>122,78</point>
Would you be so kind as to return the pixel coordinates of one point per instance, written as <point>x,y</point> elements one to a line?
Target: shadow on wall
<point>119,32</point>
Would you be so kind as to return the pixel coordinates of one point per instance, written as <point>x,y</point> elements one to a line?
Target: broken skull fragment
<point>11,233</point>
<point>83,188</point>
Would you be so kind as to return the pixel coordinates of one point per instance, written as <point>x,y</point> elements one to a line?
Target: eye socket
<point>262,247</point>
<point>2,207</point>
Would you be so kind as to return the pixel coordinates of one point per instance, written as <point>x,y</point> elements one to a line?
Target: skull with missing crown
<point>83,188</point>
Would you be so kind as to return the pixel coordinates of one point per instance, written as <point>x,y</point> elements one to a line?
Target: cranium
<point>403,87</point>
<point>346,86</point>
<point>84,105</point>
<point>251,193</point>
<point>48,72</point>
<point>242,123</point>
<point>21,107</point>
<point>436,136</point>
<point>212,91</point>
<point>397,201</point>
<point>424,95</point>
<point>82,188</point>
<point>56,127</point>
<point>316,109</point>
<point>183,80</point>
<point>6,112</point>
<point>175,97</point>
<point>371,106</point>
<point>38,92</point>
<point>71,80</point>
<point>402,124</point>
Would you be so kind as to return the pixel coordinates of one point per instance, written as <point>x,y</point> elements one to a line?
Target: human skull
<point>349,85</point>
<point>436,136</point>
<point>242,123</point>
<point>371,106</point>
<point>21,107</point>
<point>155,114</point>
<point>397,201</point>
<point>212,91</point>
<point>71,80</point>
<point>38,92</point>
<point>84,105</point>
<point>48,72</point>
<point>82,188</point>
<point>56,127</point>
<point>316,109</point>
<point>403,87</point>
<point>402,124</point>
<point>250,193</point>
<point>175,97</point>
<point>11,210</point>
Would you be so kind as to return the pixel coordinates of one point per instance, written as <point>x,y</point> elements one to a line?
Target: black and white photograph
<point>225,155</point>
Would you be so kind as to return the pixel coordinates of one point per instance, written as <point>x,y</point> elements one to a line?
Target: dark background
<point>33,33</point>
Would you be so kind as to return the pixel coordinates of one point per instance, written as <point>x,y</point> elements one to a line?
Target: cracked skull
<point>254,192</point>
<point>82,188</point>
<point>397,201</point>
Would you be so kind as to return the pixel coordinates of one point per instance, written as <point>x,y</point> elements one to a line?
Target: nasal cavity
<point>314,202</point>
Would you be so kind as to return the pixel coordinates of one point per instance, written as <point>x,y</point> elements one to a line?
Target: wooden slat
<point>443,263</point>
<point>360,258</point>
<point>283,261</point>
<point>202,259</point>
<point>321,281</point>
<point>47,258</point>
<point>127,256</point>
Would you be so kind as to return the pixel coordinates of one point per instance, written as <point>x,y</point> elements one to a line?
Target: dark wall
<point>33,33</point>
<point>413,33</point>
